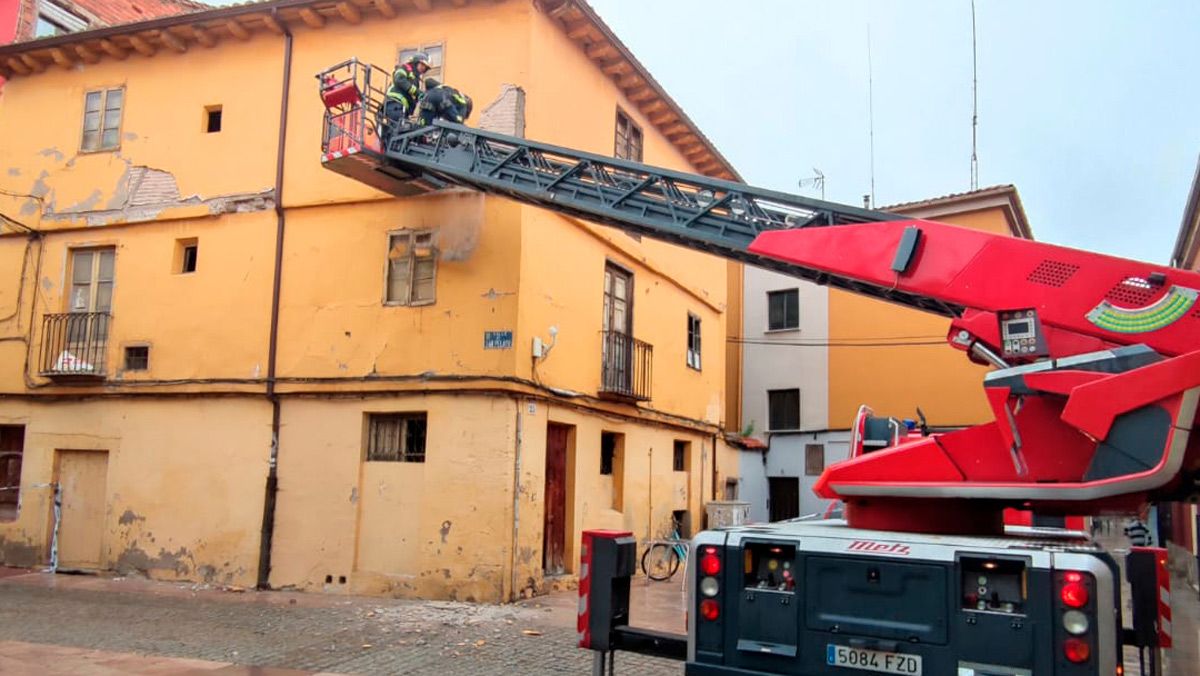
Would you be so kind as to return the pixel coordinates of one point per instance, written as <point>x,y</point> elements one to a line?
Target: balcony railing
<point>625,366</point>
<point>75,344</point>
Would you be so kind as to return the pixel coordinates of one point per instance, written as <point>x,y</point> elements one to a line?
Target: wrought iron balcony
<point>75,345</point>
<point>625,367</point>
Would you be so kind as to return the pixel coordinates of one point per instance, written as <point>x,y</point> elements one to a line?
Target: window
<point>137,357</point>
<point>187,252</point>
<point>92,280</point>
<point>783,310</point>
<point>54,20</point>
<point>212,119</point>
<point>412,268</point>
<point>693,341</point>
<point>814,459</point>
<point>783,410</point>
<point>608,449</point>
<point>731,489</point>
<point>102,119</point>
<point>612,463</point>
<point>12,447</point>
<point>437,58</point>
<point>628,145</point>
<point>396,437</point>
<point>682,453</point>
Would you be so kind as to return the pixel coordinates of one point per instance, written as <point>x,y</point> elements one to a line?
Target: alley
<point>45,620</point>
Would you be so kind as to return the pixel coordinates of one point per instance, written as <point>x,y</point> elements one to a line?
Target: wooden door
<point>83,476</point>
<point>554,533</point>
<point>784,496</point>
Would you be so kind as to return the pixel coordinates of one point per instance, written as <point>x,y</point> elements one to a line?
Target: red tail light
<point>710,563</point>
<point>709,610</point>
<point>1074,594</point>
<point>1077,650</point>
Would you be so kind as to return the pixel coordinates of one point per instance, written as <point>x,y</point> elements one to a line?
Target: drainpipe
<point>268,519</point>
<point>516,510</point>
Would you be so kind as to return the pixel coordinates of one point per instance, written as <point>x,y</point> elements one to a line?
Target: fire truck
<point>1094,384</point>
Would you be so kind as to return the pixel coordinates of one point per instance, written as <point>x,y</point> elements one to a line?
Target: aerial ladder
<point>1096,359</point>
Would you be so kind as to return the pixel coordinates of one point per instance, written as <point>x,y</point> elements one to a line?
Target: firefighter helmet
<point>419,58</point>
<point>432,83</point>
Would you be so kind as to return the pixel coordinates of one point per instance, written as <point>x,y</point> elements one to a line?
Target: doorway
<point>83,476</point>
<point>784,497</point>
<point>554,531</point>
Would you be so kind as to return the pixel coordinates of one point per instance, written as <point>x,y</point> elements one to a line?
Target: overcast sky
<point>1091,108</point>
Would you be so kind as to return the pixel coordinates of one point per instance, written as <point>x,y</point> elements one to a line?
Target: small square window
<point>212,119</point>
<point>396,437</point>
<point>187,252</point>
<point>137,358</point>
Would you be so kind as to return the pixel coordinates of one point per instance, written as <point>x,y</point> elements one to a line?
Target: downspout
<point>516,509</point>
<point>268,518</point>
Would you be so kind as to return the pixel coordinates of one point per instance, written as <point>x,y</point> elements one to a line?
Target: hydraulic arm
<point>1097,358</point>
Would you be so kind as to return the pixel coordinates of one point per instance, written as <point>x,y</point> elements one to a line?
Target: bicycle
<point>661,559</point>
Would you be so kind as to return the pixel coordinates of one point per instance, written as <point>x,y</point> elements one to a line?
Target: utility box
<point>726,513</point>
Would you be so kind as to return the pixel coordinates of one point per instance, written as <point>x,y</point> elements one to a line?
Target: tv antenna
<point>817,181</point>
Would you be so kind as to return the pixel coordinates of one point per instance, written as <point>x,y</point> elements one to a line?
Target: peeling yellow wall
<point>179,484</point>
<point>185,486</point>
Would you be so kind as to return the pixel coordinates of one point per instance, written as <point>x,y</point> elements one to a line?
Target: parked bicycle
<point>661,559</point>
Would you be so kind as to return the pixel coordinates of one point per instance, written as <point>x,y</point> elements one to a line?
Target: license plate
<point>873,660</point>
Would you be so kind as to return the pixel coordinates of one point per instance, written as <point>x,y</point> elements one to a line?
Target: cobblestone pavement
<point>311,632</point>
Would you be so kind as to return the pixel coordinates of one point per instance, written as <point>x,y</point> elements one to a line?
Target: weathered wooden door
<point>554,537</point>
<point>784,496</point>
<point>83,476</point>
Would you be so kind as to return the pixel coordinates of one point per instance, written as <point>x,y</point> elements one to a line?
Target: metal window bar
<point>626,366</point>
<point>75,344</point>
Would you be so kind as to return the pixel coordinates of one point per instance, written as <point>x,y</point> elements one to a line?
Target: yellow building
<point>235,367</point>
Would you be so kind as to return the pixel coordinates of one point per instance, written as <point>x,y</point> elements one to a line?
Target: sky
<point>1090,108</point>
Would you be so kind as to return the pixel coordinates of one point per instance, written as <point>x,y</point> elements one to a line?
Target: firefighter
<point>444,102</point>
<point>405,90</point>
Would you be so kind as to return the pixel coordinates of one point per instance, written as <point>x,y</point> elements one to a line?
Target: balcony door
<point>89,305</point>
<point>617,357</point>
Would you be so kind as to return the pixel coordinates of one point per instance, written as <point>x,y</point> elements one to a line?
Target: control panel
<point>1021,334</point>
